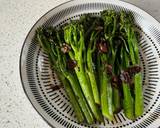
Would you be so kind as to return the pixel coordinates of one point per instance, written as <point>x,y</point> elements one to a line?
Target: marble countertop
<point>16,19</point>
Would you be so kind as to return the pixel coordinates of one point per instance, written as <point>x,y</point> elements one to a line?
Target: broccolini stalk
<point>72,98</point>
<point>92,25</point>
<point>90,67</point>
<point>129,30</point>
<point>74,36</point>
<point>116,100</point>
<point>104,78</point>
<point>51,44</point>
<point>128,101</point>
<point>110,28</point>
<point>116,82</point>
<point>105,88</point>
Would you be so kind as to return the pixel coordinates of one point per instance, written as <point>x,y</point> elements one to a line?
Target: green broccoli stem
<point>98,72</point>
<point>106,97</point>
<point>91,74</point>
<point>94,87</point>
<point>116,100</point>
<point>110,28</point>
<point>128,102</point>
<point>116,97</point>
<point>80,98</point>
<point>116,91</point>
<point>139,106</point>
<point>105,90</point>
<point>85,85</point>
<point>74,100</point>
<point>134,55</point>
<point>130,43</point>
<point>128,30</point>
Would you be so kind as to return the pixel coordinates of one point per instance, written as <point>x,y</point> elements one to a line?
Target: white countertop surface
<point>16,19</point>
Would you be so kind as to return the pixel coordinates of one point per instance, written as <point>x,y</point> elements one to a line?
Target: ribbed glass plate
<point>37,77</point>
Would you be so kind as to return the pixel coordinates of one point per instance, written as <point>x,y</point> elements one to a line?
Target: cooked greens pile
<point>97,60</point>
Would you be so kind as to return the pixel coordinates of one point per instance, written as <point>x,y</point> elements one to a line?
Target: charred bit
<point>65,48</point>
<point>102,47</point>
<point>71,64</point>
